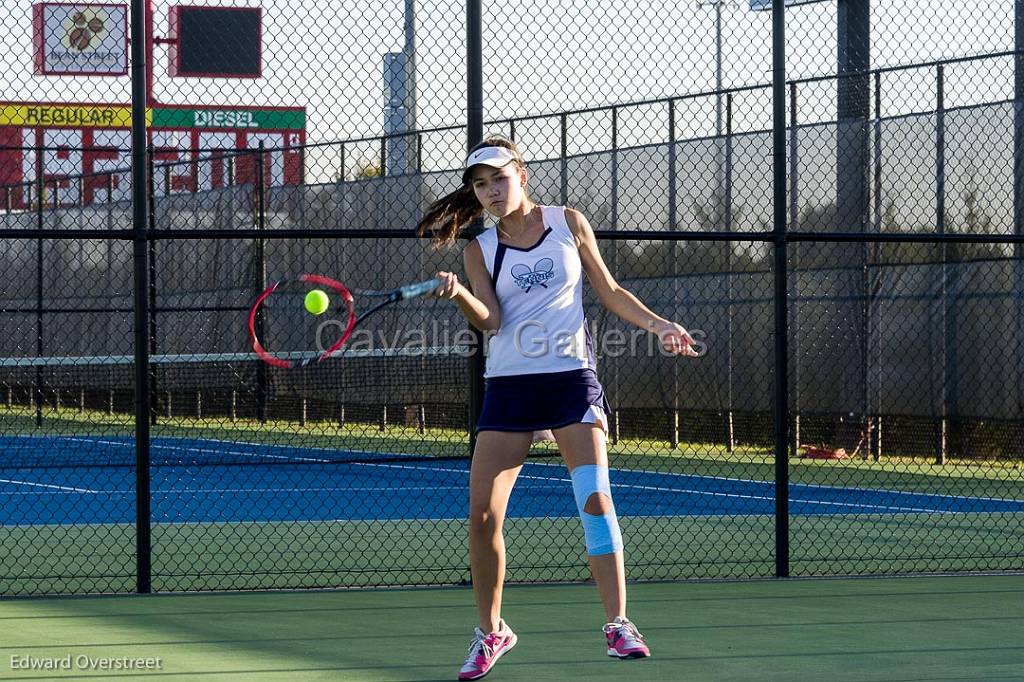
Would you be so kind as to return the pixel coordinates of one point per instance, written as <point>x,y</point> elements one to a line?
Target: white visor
<point>488,156</point>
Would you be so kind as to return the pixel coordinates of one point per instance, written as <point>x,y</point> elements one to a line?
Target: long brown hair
<point>445,218</point>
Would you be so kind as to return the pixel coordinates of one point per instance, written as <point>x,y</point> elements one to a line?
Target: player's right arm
<point>480,306</point>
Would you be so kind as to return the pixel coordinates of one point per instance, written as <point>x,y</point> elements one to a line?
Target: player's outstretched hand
<point>675,339</point>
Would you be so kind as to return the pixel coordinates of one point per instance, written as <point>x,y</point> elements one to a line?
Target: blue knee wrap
<point>600,530</point>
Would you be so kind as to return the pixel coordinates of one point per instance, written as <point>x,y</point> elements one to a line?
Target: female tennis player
<point>526,287</point>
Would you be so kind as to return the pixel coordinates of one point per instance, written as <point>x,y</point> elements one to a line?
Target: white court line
<point>390,489</point>
<point>462,519</point>
<point>217,451</point>
<point>614,485</point>
<point>695,492</point>
<point>871,507</point>
<point>881,491</point>
<point>320,449</point>
<point>51,487</point>
<point>437,488</point>
<point>194,491</point>
<point>317,460</point>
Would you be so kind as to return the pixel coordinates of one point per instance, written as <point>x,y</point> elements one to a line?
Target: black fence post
<point>1018,190</point>
<point>614,210</point>
<point>794,257</point>
<point>151,247</point>
<point>262,384</point>
<point>781,407</point>
<point>150,185</point>
<point>673,225</point>
<point>943,371</point>
<point>140,252</point>
<point>874,338</point>
<point>37,389</point>
<point>563,153</point>
<point>730,426</point>
<point>613,388</point>
<point>474,134</point>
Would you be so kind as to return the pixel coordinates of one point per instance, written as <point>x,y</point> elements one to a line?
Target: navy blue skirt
<point>535,402</point>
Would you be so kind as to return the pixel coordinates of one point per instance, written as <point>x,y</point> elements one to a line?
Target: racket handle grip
<point>418,289</point>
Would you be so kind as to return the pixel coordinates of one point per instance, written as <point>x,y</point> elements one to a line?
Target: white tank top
<point>540,291</point>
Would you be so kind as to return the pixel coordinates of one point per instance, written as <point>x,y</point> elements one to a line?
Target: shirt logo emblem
<point>526,278</point>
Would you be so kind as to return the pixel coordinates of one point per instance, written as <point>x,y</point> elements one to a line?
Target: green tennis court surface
<point>707,534</point>
<point>892,629</point>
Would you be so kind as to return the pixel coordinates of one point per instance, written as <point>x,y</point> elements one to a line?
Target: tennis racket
<point>291,360</point>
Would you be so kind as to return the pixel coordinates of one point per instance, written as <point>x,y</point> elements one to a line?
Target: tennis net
<point>231,408</point>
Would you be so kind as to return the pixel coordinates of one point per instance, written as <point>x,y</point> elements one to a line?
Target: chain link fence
<point>284,139</point>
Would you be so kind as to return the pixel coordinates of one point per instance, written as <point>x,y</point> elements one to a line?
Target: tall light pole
<point>723,214</point>
<point>719,5</point>
<point>400,94</point>
<point>410,62</point>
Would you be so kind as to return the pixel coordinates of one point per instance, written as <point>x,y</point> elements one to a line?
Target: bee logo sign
<point>80,39</point>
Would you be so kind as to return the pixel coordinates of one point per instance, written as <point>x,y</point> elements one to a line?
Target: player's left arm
<point>619,300</point>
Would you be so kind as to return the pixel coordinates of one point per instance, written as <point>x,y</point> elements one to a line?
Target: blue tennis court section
<point>280,483</point>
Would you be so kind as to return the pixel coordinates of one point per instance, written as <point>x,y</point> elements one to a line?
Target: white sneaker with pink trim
<point>624,640</point>
<point>485,650</point>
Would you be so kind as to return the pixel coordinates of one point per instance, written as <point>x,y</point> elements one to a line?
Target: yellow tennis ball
<point>317,302</point>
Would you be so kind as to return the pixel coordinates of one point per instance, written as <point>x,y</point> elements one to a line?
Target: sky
<point>552,55</point>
